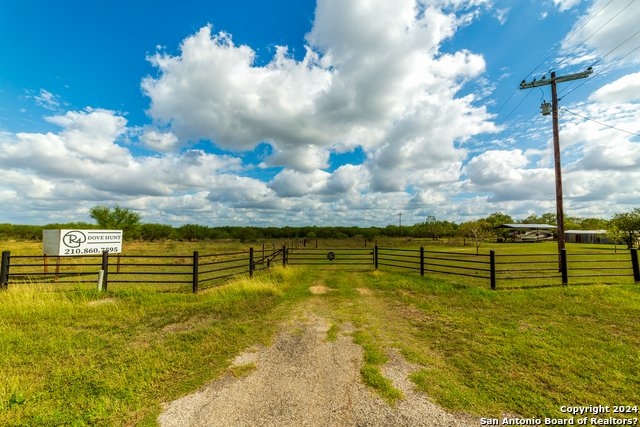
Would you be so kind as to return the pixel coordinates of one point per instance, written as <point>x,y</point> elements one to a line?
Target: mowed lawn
<point>67,357</point>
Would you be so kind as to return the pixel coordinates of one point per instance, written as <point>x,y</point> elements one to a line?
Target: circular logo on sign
<point>331,256</point>
<point>74,239</point>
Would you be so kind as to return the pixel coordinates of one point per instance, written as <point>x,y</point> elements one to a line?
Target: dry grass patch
<point>320,289</point>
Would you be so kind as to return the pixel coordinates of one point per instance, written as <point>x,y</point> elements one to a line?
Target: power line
<point>600,123</point>
<point>573,34</point>
<point>615,48</point>
<point>512,94</point>
<point>587,39</point>
<point>567,40</point>
<point>604,69</point>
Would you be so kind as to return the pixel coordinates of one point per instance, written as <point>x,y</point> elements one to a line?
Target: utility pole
<point>400,216</point>
<point>556,138</point>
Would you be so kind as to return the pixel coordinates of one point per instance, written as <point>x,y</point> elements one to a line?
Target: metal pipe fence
<point>190,269</point>
<point>512,267</point>
<point>176,269</point>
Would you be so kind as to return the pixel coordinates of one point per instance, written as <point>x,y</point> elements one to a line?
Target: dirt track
<point>305,380</point>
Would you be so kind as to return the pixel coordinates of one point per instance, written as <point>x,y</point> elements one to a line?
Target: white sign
<point>81,242</point>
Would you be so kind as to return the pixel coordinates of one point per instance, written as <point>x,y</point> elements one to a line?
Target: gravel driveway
<point>305,380</point>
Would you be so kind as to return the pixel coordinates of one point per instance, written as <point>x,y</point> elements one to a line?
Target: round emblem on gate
<point>331,256</point>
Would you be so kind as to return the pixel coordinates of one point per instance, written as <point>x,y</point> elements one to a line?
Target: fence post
<point>492,267</point>
<point>421,260</point>
<point>105,267</point>
<point>100,280</point>
<point>196,263</point>
<point>375,256</point>
<point>634,261</point>
<point>4,270</point>
<point>284,260</point>
<point>250,262</point>
<point>57,268</point>
<point>563,266</point>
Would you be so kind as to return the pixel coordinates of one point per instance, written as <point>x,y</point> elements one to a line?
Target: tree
<point>629,224</point>
<point>245,234</point>
<point>549,218</point>
<point>573,223</point>
<point>615,234</point>
<point>152,231</point>
<point>532,219</point>
<point>115,218</point>
<point>193,232</point>
<point>433,227</point>
<point>498,218</point>
<point>477,230</point>
<point>594,224</point>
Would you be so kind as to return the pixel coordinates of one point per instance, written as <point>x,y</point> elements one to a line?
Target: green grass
<point>64,361</point>
<point>370,373</point>
<point>332,333</point>
<point>521,351</point>
<point>372,377</point>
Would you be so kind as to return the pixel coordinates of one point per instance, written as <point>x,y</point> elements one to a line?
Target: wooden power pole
<point>556,139</point>
<point>400,217</point>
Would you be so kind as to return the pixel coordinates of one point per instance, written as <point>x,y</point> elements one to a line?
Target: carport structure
<point>523,233</point>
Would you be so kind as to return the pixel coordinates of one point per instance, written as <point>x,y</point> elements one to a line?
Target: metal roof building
<point>586,236</point>
<point>530,232</point>
<point>525,226</point>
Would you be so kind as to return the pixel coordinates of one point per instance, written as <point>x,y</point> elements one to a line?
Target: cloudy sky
<point>296,112</point>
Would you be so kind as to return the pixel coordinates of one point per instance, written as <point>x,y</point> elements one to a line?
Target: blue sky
<point>301,113</point>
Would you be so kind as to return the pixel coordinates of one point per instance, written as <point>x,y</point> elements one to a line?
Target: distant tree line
<point>624,226</point>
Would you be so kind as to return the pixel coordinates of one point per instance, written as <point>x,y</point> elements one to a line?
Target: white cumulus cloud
<point>160,141</point>
<point>625,89</point>
<point>372,77</point>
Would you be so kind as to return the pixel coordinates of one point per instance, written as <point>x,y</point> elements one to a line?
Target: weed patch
<point>242,370</point>
<point>374,357</point>
<point>332,333</point>
<point>372,377</point>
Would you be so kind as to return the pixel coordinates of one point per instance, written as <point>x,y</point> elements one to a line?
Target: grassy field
<point>72,356</point>
<point>522,351</point>
<point>78,358</point>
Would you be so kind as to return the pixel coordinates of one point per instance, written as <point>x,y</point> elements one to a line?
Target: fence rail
<point>190,269</point>
<point>511,268</point>
<point>177,269</point>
